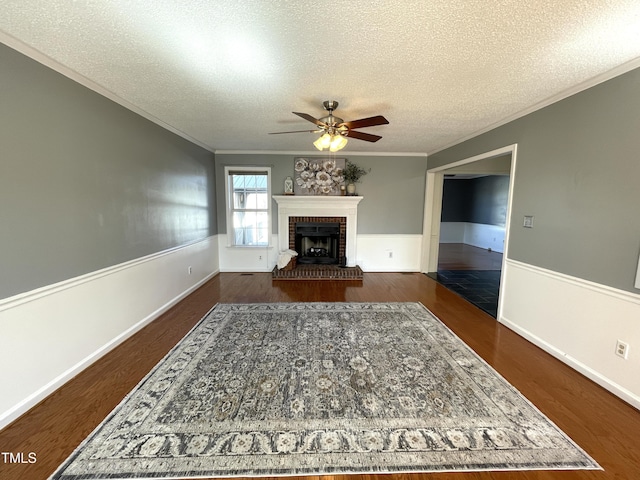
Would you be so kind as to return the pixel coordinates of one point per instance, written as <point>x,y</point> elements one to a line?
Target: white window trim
<point>228,202</point>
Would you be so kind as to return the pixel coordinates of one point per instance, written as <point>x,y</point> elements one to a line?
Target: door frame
<point>433,212</point>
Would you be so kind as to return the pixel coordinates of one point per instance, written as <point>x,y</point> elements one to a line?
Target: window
<point>248,206</point>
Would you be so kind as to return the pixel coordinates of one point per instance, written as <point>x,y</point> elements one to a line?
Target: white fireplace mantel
<point>319,206</point>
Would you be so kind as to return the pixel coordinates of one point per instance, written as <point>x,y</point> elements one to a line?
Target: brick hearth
<point>319,272</point>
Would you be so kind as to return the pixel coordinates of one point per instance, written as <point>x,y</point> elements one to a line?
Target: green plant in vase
<point>352,174</point>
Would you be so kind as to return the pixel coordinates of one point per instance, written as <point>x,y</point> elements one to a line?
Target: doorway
<point>472,267</point>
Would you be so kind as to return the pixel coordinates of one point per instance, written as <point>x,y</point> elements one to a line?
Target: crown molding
<point>77,77</point>
<point>587,84</point>
<point>54,65</point>
<point>315,153</point>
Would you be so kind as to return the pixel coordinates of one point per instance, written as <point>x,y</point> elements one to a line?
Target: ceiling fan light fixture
<point>324,141</point>
<point>338,142</point>
<point>334,130</point>
<point>333,142</point>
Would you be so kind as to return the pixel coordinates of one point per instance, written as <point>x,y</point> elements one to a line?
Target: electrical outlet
<point>259,257</point>
<point>622,349</point>
<point>390,254</point>
<point>189,270</point>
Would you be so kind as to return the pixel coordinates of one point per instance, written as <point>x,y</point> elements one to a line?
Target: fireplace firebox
<point>318,240</point>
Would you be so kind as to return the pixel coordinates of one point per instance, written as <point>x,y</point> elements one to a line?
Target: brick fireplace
<point>314,211</point>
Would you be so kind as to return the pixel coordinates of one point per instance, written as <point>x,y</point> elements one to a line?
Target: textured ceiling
<point>227,73</point>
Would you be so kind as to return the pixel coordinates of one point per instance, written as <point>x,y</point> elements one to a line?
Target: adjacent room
<point>236,241</point>
<point>475,201</point>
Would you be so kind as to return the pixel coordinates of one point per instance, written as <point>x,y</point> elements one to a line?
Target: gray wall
<point>85,183</point>
<point>456,200</point>
<point>476,200</point>
<point>577,172</point>
<point>393,191</point>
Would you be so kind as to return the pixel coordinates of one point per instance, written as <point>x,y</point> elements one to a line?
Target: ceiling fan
<point>335,130</point>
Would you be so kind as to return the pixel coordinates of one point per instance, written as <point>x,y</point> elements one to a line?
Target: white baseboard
<point>578,322</point>
<point>588,372</point>
<point>51,334</point>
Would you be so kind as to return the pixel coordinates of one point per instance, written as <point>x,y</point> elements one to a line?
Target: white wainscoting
<point>247,259</point>
<point>51,334</point>
<point>476,234</point>
<point>452,232</point>
<point>372,254</point>
<point>389,253</point>
<point>577,321</point>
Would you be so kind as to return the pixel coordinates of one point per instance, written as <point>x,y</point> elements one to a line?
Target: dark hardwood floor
<point>460,256</point>
<point>605,426</point>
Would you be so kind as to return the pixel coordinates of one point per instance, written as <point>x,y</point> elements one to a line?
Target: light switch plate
<point>528,221</point>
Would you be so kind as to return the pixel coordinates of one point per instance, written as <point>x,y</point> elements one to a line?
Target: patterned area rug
<point>321,388</point>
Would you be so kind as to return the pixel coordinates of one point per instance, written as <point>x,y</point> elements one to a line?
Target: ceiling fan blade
<point>366,122</point>
<point>296,131</point>
<point>309,118</point>
<point>367,137</point>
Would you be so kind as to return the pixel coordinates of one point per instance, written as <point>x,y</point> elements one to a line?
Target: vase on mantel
<point>352,174</point>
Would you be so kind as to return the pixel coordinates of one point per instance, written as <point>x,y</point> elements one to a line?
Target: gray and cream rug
<point>321,388</point>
